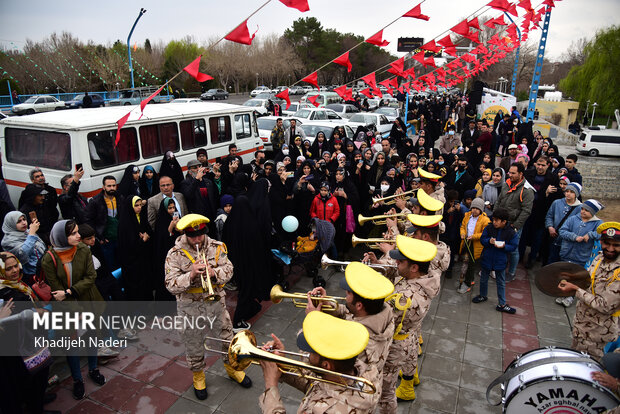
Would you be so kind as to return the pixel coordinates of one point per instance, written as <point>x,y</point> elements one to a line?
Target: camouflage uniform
<point>404,353</point>
<point>320,398</point>
<point>178,269</point>
<point>594,324</point>
<point>442,260</point>
<point>370,362</point>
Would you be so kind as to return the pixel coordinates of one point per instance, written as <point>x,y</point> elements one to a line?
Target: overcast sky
<point>106,21</point>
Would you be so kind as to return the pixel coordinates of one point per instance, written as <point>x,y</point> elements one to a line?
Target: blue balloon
<point>290,224</point>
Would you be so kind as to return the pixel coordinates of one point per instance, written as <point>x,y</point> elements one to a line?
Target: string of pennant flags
<point>495,49</point>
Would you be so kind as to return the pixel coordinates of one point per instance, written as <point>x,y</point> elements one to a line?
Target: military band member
<point>365,303</point>
<point>596,317</point>
<point>429,183</point>
<point>414,288</point>
<point>333,344</point>
<point>184,272</point>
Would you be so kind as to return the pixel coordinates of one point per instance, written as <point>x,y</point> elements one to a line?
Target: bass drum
<point>555,381</point>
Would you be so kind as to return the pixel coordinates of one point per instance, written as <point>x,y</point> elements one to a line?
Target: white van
<point>325,98</point>
<point>599,142</point>
<point>57,141</point>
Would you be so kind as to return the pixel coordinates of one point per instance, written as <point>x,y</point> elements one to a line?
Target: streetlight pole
<point>594,105</point>
<point>142,11</point>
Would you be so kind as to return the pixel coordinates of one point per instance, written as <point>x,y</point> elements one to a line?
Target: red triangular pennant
<point>462,28</point>
<point>343,60</point>
<point>419,57</point>
<point>473,36</point>
<point>430,61</point>
<point>377,39</point>
<point>399,64</point>
<point>416,13</point>
<point>284,95</point>
<point>502,5</point>
<point>474,23</point>
<point>366,92</point>
<point>431,47</point>
<point>446,42</point>
<point>194,70</point>
<point>370,80</point>
<point>525,4</point>
<point>241,34</point>
<point>342,91</point>
<point>313,99</point>
<point>312,79</point>
<point>147,100</point>
<point>120,124</point>
<point>301,5</point>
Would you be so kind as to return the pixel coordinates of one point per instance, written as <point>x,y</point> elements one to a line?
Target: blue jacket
<point>558,210</point>
<point>573,251</point>
<point>494,258</point>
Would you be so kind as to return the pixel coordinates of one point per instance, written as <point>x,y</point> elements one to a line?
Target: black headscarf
<point>128,187</point>
<point>170,168</point>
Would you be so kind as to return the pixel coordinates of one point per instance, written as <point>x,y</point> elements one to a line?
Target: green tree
<point>597,78</point>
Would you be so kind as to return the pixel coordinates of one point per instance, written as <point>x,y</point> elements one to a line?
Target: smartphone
<point>78,167</point>
<point>33,216</point>
<point>291,173</point>
<point>218,160</point>
<point>176,214</point>
<point>310,177</point>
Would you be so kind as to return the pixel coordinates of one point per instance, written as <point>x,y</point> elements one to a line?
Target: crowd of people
<point>481,192</point>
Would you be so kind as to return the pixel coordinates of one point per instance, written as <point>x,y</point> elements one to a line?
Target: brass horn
<point>243,351</point>
<point>391,199</point>
<point>381,219</point>
<point>372,243</point>
<point>326,262</point>
<point>300,300</point>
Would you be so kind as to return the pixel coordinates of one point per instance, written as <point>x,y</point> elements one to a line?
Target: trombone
<point>392,199</point>
<point>381,219</point>
<point>242,352</point>
<point>301,300</point>
<point>372,243</point>
<point>206,279</point>
<point>326,261</point>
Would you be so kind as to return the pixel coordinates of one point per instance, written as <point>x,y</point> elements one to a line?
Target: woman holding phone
<point>21,239</point>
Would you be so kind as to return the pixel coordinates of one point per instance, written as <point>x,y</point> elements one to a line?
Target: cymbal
<point>548,278</point>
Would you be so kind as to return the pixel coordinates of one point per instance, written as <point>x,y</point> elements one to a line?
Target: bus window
<point>41,148</point>
<point>104,154</point>
<point>193,134</point>
<point>219,128</point>
<point>242,126</point>
<point>157,139</point>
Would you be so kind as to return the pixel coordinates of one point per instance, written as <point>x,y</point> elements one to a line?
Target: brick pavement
<point>465,347</point>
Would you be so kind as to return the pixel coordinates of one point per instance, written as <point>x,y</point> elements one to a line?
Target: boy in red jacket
<point>325,206</point>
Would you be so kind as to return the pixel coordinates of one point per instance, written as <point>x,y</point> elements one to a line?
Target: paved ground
<point>465,346</point>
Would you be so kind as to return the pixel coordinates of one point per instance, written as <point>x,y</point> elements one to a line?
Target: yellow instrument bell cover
<point>194,221</point>
<point>611,228</point>
<point>416,250</point>
<point>334,338</point>
<point>367,282</point>
<point>428,202</point>
<point>428,175</point>
<point>424,221</point>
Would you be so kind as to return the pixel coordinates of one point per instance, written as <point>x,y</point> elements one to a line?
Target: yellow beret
<point>332,337</point>
<point>428,202</point>
<point>192,222</point>
<point>416,250</point>
<point>609,229</point>
<point>366,282</point>
<point>424,221</point>
<point>429,176</point>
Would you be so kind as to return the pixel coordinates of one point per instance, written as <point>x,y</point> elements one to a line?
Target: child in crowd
<point>452,218</point>
<point>498,240</point>
<point>473,224</point>
<point>226,203</point>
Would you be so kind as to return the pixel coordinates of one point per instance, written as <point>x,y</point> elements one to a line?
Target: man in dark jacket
<point>470,134</point>
<point>34,203</point>
<point>102,215</point>
<point>72,204</point>
<point>461,180</point>
<point>199,192</point>
<point>51,198</point>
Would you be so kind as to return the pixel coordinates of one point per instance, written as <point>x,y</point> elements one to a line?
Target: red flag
<point>284,95</point>
<point>473,36</point>
<point>349,94</point>
<point>525,4</point>
<point>498,21</point>
<point>301,5</point>
<point>549,3</point>
<point>512,31</point>
<point>446,41</point>
<point>377,39</point>
<point>502,5</point>
<point>120,124</point>
<point>377,92</point>
<point>397,72</point>
<point>370,80</point>
<point>431,47</point>
<point>419,57</point>
<point>241,34</point>
<point>343,60</point>
<point>416,13</point>
<point>312,79</point>
<point>411,71</point>
<point>474,23</point>
<point>194,70</point>
<point>366,92</point>
<point>147,100</point>
<point>342,91</point>
<point>399,64</point>
<point>430,61</point>
<point>461,28</point>
<point>313,99</point>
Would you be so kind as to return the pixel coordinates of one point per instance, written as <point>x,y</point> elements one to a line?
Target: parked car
<point>213,94</point>
<point>279,89</point>
<point>319,114</point>
<point>296,90</point>
<point>2,115</point>
<point>186,100</point>
<point>265,126</point>
<point>258,90</point>
<point>38,103</point>
<point>260,105</point>
<point>595,141</point>
<point>295,106</point>
<point>324,98</point>
<point>380,122</point>
<point>311,128</point>
<point>78,101</point>
<point>344,110</point>
<point>307,88</point>
<point>390,113</point>
<point>133,96</point>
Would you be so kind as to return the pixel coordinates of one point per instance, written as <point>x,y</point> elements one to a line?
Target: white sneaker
<point>559,301</point>
<point>463,288</point>
<point>492,274</point>
<point>128,334</point>
<point>106,352</point>
<point>567,301</point>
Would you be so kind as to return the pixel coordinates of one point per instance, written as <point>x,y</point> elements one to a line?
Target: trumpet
<point>243,351</point>
<point>206,279</point>
<point>391,199</point>
<point>326,261</point>
<point>372,243</point>
<point>381,219</point>
<point>300,300</point>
